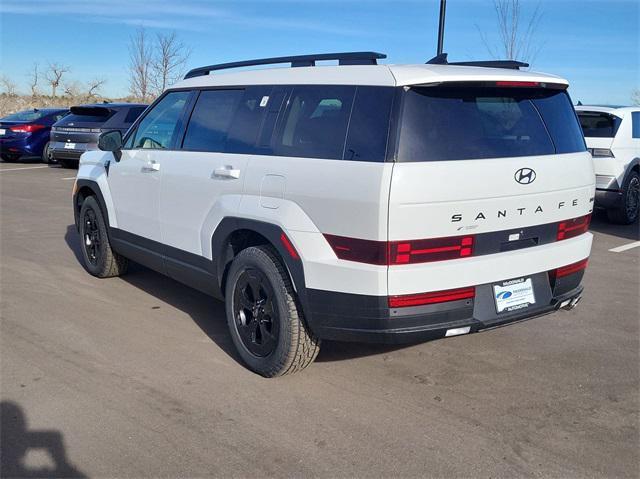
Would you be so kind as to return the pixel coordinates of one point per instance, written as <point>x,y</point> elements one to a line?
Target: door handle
<point>151,166</point>
<point>226,171</point>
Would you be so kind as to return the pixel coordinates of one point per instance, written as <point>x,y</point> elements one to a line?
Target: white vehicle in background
<point>354,202</point>
<point>613,138</point>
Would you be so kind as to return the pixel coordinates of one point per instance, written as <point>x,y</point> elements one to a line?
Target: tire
<point>266,324</point>
<point>630,210</point>
<point>45,153</point>
<point>70,164</point>
<point>99,259</point>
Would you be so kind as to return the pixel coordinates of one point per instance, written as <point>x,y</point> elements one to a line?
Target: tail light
<point>427,250</point>
<point>27,128</point>
<point>434,297</point>
<point>571,268</point>
<point>400,252</point>
<point>508,83</point>
<point>574,227</point>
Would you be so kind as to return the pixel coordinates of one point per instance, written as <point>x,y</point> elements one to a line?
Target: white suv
<point>357,201</point>
<point>613,138</point>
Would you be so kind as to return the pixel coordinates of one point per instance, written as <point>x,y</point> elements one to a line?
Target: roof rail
<point>346,58</point>
<point>510,64</point>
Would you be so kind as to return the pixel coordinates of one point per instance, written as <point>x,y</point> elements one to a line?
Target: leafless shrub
<point>94,86</point>
<point>9,87</point>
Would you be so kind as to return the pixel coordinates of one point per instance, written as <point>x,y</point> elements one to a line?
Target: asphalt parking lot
<point>137,376</point>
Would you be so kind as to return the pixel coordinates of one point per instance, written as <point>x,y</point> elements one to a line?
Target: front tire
<point>99,259</point>
<point>630,209</point>
<point>266,324</point>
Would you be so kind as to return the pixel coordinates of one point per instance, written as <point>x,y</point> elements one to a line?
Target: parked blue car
<point>26,134</point>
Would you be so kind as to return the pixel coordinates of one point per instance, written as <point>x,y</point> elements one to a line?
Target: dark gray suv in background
<point>78,131</point>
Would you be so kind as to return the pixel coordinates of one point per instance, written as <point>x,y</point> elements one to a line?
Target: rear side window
<point>133,114</point>
<point>464,123</point>
<point>209,124</point>
<point>369,124</point>
<point>315,122</point>
<point>635,119</point>
<point>158,128</point>
<point>597,124</point>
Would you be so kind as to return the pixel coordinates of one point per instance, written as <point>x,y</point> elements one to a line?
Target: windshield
<point>26,115</point>
<point>464,123</point>
<point>597,124</point>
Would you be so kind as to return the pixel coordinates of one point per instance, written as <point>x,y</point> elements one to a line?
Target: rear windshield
<point>464,123</point>
<point>597,124</point>
<point>27,115</point>
<point>79,120</point>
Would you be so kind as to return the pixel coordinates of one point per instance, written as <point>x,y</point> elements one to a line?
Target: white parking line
<point>25,168</point>
<point>625,247</point>
<point>70,178</point>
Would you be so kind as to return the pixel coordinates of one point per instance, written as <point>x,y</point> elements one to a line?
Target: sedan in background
<point>25,135</point>
<point>79,131</point>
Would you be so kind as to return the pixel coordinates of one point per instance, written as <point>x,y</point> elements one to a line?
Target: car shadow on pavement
<point>209,314</point>
<point>17,441</point>
<point>601,224</point>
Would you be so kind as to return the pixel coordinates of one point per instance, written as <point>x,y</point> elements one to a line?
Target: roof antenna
<point>443,10</point>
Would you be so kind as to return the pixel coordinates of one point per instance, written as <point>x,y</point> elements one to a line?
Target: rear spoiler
<point>509,64</point>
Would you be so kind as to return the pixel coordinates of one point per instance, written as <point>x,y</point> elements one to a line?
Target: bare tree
<point>8,86</point>
<point>54,76</point>
<point>140,59</point>
<point>635,97</point>
<point>169,60</point>
<point>34,77</point>
<point>94,86</point>
<point>516,33</point>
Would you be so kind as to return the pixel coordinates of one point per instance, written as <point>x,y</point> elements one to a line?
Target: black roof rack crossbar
<point>510,64</point>
<point>346,58</point>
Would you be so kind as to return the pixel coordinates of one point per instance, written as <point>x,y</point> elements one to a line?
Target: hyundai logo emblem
<point>524,176</point>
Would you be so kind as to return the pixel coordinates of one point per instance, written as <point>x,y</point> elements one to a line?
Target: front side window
<point>464,123</point>
<point>315,122</point>
<point>159,127</point>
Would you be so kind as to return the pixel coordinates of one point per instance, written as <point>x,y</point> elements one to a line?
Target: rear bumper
<point>608,192</point>
<point>351,317</point>
<point>20,147</point>
<point>58,151</point>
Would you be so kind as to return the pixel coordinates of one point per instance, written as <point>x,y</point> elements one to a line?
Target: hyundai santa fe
<point>353,202</point>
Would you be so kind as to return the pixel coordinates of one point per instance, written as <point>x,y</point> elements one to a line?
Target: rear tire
<point>630,210</point>
<point>45,153</point>
<point>266,324</point>
<point>99,259</point>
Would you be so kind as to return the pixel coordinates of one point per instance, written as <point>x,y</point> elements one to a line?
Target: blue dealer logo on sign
<point>503,294</point>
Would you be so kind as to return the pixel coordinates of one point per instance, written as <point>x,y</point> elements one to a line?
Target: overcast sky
<point>595,44</point>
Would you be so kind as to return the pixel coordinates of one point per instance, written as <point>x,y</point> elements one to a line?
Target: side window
<point>635,124</point>
<point>210,121</point>
<point>369,124</point>
<point>248,121</point>
<point>315,122</point>
<point>159,127</point>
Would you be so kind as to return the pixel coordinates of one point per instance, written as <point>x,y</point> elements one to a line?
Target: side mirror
<point>111,141</point>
